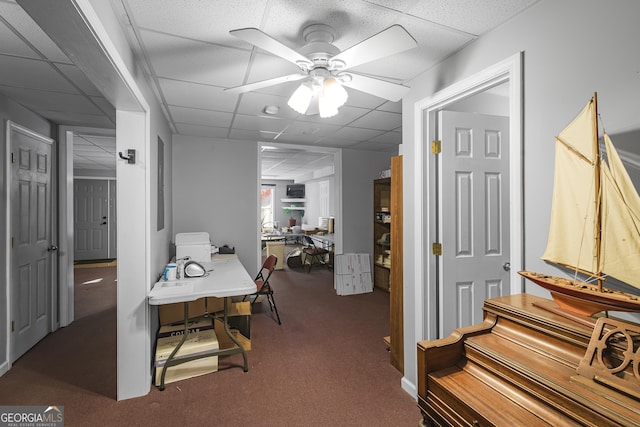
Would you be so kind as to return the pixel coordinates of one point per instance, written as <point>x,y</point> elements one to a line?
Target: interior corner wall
<point>216,189</point>
<point>359,169</point>
<point>9,110</point>
<point>564,61</point>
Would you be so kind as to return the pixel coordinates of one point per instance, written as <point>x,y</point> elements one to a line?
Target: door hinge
<point>13,242</point>
<point>436,147</point>
<point>436,248</point>
<point>13,325</point>
<point>13,158</point>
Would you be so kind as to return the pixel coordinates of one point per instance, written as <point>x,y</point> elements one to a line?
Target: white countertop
<point>226,277</point>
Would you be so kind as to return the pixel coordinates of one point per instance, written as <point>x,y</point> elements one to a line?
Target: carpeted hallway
<point>326,365</point>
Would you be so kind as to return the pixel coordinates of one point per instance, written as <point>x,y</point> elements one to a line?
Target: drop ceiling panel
<point>204,131</point>
<point>380,120</point>
<point>79,79</point>
<point>249,122</point>
<point>195,116</point>
<point>346,115</point>
<point>253,103</point>
<point>474,17</point>
<point>53,101</point>
<point>195,61</point>
<point>25,26</point>
<point>388,138</point>
<point>14,45</point>
<point>185,94</point>
<point>207,20</point>
<point>353,21</point>
<point>32,74</point>
<point>357,134</point>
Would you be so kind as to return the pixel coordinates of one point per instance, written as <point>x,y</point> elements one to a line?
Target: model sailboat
<point>595,222</point>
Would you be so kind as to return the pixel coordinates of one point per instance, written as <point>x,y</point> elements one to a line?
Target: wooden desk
<point>226,277</point>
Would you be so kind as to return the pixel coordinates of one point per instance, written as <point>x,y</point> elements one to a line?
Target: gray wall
<point>216,189</point>
<point>571,49</point>
<point>359,169</point>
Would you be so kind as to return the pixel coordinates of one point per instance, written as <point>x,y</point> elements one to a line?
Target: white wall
<point>216,189</point>
<point>571,49</point>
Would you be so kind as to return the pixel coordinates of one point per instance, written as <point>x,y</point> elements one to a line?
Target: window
<point>267,198</point>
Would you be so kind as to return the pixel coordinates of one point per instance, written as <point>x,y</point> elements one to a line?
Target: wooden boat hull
<point>582,298</point>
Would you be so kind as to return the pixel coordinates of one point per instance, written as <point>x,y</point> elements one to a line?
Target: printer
<point>196,246</point>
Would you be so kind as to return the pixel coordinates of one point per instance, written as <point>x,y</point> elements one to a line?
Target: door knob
<point>52,248</point>
<point>506,266</point>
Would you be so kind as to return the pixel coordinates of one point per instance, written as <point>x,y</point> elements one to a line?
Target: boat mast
<point>598,197</point>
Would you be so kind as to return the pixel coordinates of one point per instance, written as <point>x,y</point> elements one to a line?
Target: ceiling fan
<point>325,69</point>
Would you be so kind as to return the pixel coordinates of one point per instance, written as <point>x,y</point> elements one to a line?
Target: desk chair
<point>314,253</point>
<point>262,283</point>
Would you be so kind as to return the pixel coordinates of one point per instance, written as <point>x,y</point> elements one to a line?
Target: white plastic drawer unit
<point>197,246</point>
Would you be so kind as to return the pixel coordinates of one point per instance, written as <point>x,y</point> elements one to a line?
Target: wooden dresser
<point>526,366</point>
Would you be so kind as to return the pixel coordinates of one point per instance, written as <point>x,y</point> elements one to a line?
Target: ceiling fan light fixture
<point>301,98</point>
<point>332,89</point>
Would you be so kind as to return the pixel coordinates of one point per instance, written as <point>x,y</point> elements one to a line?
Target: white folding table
<point>226,277</point>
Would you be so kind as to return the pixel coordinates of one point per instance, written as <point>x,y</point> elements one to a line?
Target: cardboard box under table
<point>195,356</point>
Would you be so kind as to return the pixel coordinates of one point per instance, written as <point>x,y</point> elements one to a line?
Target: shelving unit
<point>382,233</point>
<point>294,205</point>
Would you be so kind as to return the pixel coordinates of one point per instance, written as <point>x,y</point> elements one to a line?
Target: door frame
<point>53,296</point>
<point>508,70</point>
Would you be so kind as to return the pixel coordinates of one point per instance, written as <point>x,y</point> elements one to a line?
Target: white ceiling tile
<point>12,44</point>
<point>354,21</point>
<point>393,107</point>
<point>246,135</point>
<point>79,79</point>
<point>77,119</point>
<point>472,16</point>
<point>23,23</point>
<point>32,74</point>
<point>357,134</point>
<point>185,94</point>
<point>388,138</point>
<point>257,123</point>
<point>208,21</point>
<point>267,66</point>
<point>345,116</point>
<point>195,61</point>
<point>54,101</point>
<point>195,116</point>
<point>105,106</point>
<point>205,131</point>
<point>381,120</point>
<point>253,103</point>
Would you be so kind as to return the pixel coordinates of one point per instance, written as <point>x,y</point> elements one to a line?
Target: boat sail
<point>595,222</point>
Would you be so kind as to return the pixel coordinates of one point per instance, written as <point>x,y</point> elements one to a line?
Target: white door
<point>32,251</point>
<point>91,219</point>
<point>474,225</point>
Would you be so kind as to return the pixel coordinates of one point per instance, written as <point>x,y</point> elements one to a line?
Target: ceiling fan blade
<point>268,43</point>
<point>265,83</point>
<point>381,88</point>
<point>394,39</point>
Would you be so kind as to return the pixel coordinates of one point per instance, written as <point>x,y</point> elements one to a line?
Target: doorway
<point>32,252</point>
<point>473,223</point>
<point>429,302</point>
